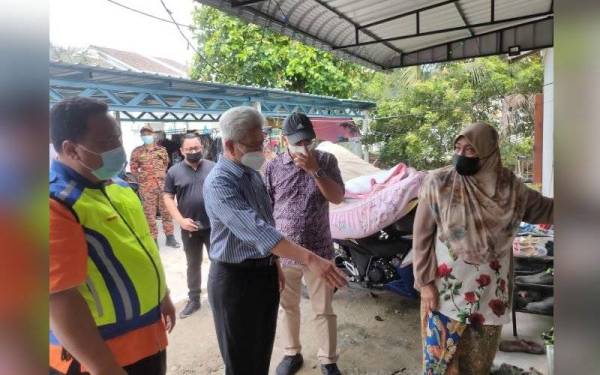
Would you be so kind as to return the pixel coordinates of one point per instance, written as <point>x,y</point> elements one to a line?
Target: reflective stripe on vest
<point>125,279</point>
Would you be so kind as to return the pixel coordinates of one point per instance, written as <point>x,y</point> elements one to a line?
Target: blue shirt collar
<point>59,169</point>
<point>236,169</point>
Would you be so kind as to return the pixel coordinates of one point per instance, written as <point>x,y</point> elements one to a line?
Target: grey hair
<point>237,122</point>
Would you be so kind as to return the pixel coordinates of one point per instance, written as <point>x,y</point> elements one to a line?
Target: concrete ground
<point>378,332</point>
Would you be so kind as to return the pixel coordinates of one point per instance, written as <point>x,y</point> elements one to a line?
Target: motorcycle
<point>376,262</point>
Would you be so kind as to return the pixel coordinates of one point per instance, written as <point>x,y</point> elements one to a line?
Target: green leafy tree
<point>419,109</point>
<point>418,126</point>
<point>232,51</point>
<point>378,86</point>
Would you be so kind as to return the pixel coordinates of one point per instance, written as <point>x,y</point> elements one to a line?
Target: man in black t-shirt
<point>184,181</point>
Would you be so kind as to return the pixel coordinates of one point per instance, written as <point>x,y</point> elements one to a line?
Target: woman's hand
<point>430,297</point>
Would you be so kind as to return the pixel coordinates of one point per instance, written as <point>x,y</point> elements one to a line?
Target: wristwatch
<point>319,173</point>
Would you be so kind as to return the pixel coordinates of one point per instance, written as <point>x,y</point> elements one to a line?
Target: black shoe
<point>172,242</point>
<point>330,369</point>
<point>290,364</point>
<point>191,307</point>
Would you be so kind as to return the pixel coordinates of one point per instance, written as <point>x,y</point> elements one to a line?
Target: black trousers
<point>192,245</point>
<point>244,303</point>
<point>154,365</point>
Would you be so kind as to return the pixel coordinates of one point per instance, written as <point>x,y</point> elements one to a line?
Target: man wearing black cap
<point>301,182</point>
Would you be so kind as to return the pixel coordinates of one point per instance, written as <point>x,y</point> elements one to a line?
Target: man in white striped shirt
<point>245,278</point>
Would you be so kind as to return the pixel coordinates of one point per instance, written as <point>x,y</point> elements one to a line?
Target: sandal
<point>523,346</point>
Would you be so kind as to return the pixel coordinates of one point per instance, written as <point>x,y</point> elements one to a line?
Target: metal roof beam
<point>461,13</point>
<point>55,95</point>
<point>296,30</point>
<point>181,102</point>
<point>198,103</point>
<point>237,3</point>
<point>137,99</point>
<point>119,90</point>
<point>450,29</point>
<point>215,106</point>
<point>357,27</point>
<point>129,83</point>
<point>88,92</point>
<point>160,100</point>
<point>406,14</point>
<point>115,99</point>
<point>131,88</point>
<point>447,45</point>
<point>130,116</point>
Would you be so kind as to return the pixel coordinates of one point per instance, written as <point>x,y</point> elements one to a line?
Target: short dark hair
<point>69,118</point>
<point>191,136</point>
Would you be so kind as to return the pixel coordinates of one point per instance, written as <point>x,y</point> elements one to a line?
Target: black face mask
<point>465,166</point>
<point>194,157</point>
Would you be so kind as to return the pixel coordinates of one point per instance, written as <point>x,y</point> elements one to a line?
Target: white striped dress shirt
<point>240,214</point>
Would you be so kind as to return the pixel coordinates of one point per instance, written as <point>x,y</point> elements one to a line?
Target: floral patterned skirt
<point>477,294</point>
<point>451,347</point>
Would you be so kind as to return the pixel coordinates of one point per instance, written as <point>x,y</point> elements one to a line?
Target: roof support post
<point>365,131</point>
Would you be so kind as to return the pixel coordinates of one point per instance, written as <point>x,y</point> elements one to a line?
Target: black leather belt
<point>252,263</point>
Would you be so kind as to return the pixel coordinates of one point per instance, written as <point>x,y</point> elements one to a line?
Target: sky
<point>79,23</point>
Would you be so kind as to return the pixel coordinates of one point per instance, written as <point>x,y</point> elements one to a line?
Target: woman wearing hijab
<point>467,218</point>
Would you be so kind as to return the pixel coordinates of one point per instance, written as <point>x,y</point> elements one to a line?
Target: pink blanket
<point>382,206</point>
<point>360,187</point>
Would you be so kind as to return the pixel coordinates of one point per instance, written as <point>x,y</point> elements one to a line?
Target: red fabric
<point>328,129</point>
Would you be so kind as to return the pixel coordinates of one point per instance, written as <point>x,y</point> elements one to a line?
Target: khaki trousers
<point>325,320</point>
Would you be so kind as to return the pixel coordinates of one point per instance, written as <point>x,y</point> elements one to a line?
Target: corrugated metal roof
<point>64,73</point>
<point>395,33</point>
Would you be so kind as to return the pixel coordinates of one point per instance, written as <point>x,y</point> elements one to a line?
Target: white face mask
<point>300,149</point>
<point>254,160</point>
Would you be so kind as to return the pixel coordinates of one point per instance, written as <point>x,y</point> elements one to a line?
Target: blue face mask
<point>148,139</point>
<point>113,162</point>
